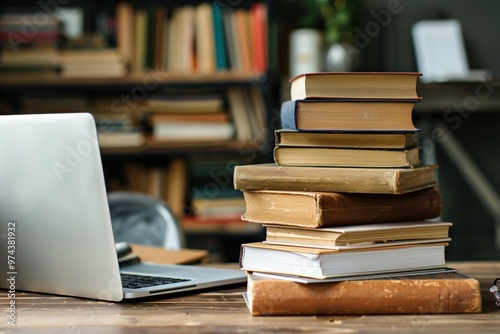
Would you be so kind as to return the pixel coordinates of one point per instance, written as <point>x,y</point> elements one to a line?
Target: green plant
<point>337,17</point>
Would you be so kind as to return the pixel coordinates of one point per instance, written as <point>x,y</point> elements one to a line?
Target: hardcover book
<point>387,140</point>
<point>327,263</point>
<point>437,293</point>
<point>344,157</point>
<point>346,180</point>
<point>359,236</point>
<point>362,85</point>
<point>322,209</point>
<point>343,115</point>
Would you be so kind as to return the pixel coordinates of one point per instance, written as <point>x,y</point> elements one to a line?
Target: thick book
<point>438,293</point>
<point>323,209</point>
<point>359,236</point>
<point>387,140</point>
<point>346,180</point>
<point>344,115</point>
<point>361,85</point>
<point>345,157</point>
<point>328,263</point>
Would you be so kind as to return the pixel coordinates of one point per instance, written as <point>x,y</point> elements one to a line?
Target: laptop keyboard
<point>130,281</point>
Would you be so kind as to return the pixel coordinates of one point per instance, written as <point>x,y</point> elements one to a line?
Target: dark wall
<point>391,48</point>
<point>388,47</point>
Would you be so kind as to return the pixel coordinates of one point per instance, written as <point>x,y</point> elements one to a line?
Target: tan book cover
<point>345,157</point>
<point>347,115</point>
<point>388,140</point>
<point>333,179</point>
<point>367,85</point>
<point>424,294</point>
<point>321,209</point>
<point>359,236</point>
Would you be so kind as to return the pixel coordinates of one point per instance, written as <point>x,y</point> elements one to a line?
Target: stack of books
<point>28,43</point>
<point>346,207</point>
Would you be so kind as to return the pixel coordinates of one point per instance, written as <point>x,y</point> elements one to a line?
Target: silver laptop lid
<point>53,208</point>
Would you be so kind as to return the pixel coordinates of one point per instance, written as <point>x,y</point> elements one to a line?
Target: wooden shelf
<point>152,78</point>
<point>152,146</point>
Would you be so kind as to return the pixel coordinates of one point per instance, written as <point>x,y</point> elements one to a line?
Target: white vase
<point>341,57</point>
<point>305,51</point>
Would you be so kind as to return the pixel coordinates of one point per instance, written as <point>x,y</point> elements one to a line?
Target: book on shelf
<point>241,114</point>
<point>35,59</point>
<point>140,26</point>
<point>435,293</point>
<point>159,39</point>
<point>221,56</point>
<point>213,117</point>
<point>186,103</point>
<point>115,139</point>
<point>360,85</point>
<point>260,36</point>
<point>386,140</point>
<point>205,39</point>
<point>125,31</point>
<point>269,176</point>
<point>345,157</point>
<point>199,131</point>
<point>328,263</point>
<point>359,236</point>
<point>347,115</point>
<point>92,63</point>
<point>324,209</point>
<point>222,206</point>
<point>241,34</point>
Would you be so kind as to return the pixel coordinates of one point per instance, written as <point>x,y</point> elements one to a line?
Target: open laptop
<point>55,232</point>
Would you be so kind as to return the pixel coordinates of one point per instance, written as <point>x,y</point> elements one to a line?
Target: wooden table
<point>225,311</point>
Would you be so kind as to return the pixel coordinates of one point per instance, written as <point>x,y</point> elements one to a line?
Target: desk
<point>225,311</point>
<point>445,108</point>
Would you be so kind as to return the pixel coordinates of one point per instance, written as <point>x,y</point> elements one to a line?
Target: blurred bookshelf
<point>172,85</point>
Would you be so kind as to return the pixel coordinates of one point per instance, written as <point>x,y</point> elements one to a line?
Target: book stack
<point>28,43</point>
<point>346,207</point>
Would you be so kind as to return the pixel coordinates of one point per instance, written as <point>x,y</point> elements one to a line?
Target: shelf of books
<point>352,216</point>
<point>165,81</point>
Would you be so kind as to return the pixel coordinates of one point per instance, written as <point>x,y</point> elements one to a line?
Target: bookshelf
<point>156,58</point>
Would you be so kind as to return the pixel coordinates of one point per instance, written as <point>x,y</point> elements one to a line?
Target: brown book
<point>343,115</point>
<point>359,236</point>
<point>345,157</point>
<point>363,85</point>
<point>205,39</point>
<point>322,264</point>
<point>423,294</point>
<point>322,209</point>
<point>346,180</point>
<point>215,117</point>
<point>285,137</point>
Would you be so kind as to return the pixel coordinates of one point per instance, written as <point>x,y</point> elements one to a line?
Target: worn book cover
<point>322,209</point>
<point>385,140</point>
<point>359,236</point>
<point>334,179</point>
<point>347,115</point>
<point>345,157</point>
<point>423,294</point>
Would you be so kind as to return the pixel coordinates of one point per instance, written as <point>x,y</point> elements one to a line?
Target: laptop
<point>55,233</point>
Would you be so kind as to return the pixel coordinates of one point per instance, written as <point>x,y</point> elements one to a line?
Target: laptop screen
<point>53,207</point>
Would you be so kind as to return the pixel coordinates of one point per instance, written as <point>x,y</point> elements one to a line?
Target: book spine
<point>412,296</point>
<point>288,115</point>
